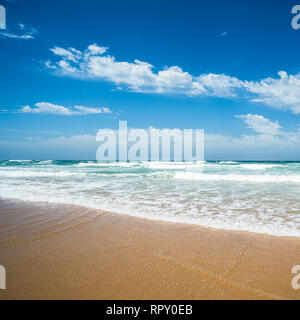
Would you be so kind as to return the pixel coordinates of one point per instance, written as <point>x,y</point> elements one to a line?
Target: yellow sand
<point>68,252</point>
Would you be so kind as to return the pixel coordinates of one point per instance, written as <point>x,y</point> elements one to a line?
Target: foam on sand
<point>255,197</point>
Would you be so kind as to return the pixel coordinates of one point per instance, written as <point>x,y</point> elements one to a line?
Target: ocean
<point>260,197</point>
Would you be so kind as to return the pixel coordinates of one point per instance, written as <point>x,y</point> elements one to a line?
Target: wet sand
<point>68,252</point>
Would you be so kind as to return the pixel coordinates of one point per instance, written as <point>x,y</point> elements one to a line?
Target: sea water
<point>260,197</point>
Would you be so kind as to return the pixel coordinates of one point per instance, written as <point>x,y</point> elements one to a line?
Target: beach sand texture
<point>68,252</point>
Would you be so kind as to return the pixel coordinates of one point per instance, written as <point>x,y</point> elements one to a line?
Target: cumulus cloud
<point>137,75</point>
<point>94,63</point>
<point>95,49</point>
<point>261,124</point>
<point>50,108</point>
<point>281,93</point>
<point>220,85</point>
<point>71,54</point>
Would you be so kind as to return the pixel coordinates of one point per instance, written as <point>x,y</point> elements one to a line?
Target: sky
<point>230,67</point>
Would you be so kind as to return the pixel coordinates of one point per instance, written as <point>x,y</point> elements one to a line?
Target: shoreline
<point>55,251</point>
<point>154,219</point>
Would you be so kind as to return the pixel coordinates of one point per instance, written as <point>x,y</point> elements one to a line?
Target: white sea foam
<point>19,160</point>
<point>177,165</point>
<point>228,221</point>
<point>109,164</point>
<point>27,174</point>
<point>168,165</point>
<point>237,177</point>
<point>46,162</point>
<point>253,166</point>
<point>209,194</point>
<point>228,162</point>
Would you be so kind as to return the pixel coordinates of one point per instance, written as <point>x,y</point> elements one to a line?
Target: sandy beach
<point>68,252</point>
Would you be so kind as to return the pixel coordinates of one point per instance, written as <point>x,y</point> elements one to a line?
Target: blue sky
<point>69,68</point>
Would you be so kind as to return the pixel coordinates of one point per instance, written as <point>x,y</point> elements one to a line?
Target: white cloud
<point>220,85</point>
<point>269,142</point>
<point>50,108</point>
<point>71,54</point>
<point>106,110</point>
<point>17,36</point>
<point>95,49</point>
<point>261,124</point>
<point>282,93</point>
<point>28,33</point>
<point>138,75</point>
<point>94,63</point>
<point>217,147</point>
<point>265,144</point>
<point>61,147</point>
<point>86,110</point>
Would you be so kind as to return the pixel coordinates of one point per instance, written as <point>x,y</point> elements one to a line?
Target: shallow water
<point>261,197</point>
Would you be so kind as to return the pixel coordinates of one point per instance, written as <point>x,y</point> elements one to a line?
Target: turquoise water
<point>261,197</point>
